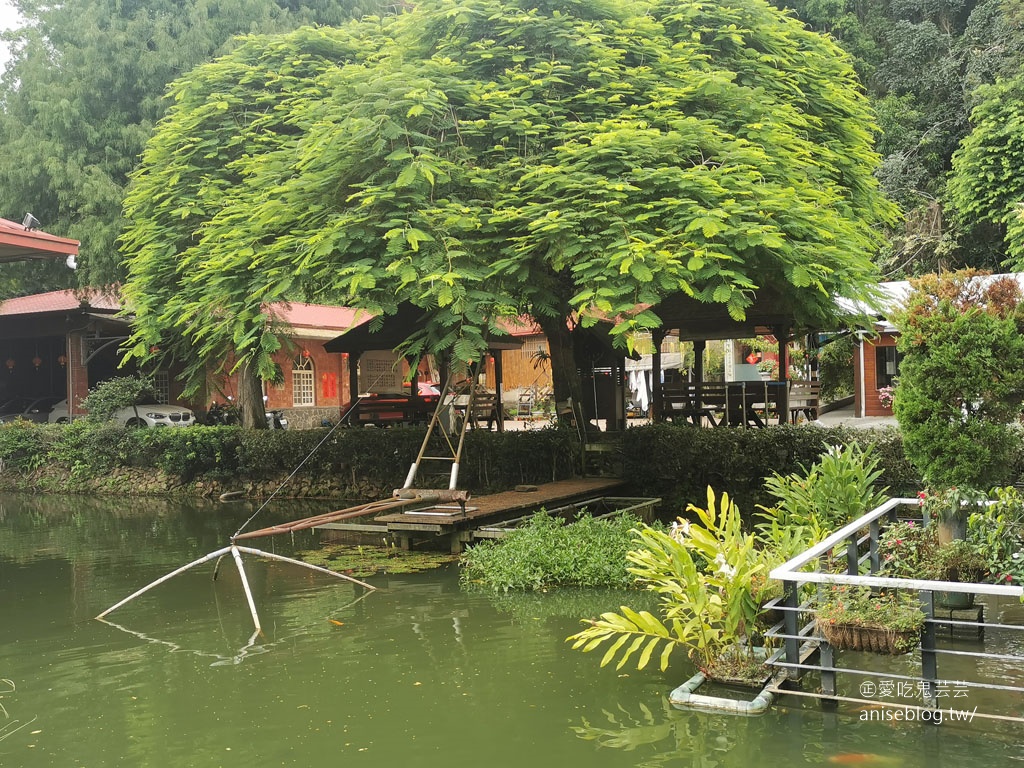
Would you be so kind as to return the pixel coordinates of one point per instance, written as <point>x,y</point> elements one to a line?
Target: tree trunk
<point>250,398</point>
<point>565,379</point>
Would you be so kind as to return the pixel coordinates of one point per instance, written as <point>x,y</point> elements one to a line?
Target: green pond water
<point>418,673</point>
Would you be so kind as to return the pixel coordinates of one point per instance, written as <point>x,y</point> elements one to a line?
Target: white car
<point>146,415</point>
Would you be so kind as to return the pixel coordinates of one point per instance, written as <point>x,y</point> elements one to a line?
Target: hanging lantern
<point>305,353</point>
<point>10,364</point>
<point>37,361</point>
<point>154,349</point>
<point>62,360</point>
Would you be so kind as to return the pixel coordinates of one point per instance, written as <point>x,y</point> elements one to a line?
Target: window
<point>162,387</point>
<point>302,381</point>
<point>887,366</point>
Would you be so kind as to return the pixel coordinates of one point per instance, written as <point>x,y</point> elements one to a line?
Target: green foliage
<point>485,158</point>
<point>741,459</point>
<point>838,488</point>
<point>119,392</point>
<point>23,446</point>
<point>82,93</point>
<point>961,378</point>
<point>707,575</point>
<point>835,368</point>
<point>906,549</point>
<point>997,531</point>
<point>366,462</point>
<point>986,185</point>
<point>547,552</point>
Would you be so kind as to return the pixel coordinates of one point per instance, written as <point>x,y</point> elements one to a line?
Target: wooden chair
<point>484,408</point>
<point>803,399</point>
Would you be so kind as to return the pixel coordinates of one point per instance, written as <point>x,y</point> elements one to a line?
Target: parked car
<point>28,408</point>
<point>145,415</point>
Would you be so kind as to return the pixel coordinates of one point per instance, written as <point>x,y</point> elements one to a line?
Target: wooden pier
<point>456,524</point>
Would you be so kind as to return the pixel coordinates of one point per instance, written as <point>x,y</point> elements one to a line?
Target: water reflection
<point>418,674</point>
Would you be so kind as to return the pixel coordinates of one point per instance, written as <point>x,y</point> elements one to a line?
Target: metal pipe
<point>282,558</point>
<point>245,586</point>
<point>162,579</point>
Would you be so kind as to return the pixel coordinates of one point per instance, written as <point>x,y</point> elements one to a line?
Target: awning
<point>20,244</point>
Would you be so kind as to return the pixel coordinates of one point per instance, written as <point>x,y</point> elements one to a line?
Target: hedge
<point>676,463</point>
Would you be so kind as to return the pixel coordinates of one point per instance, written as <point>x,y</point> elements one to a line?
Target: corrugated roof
<point>18,243</point>
<point>62,301</point>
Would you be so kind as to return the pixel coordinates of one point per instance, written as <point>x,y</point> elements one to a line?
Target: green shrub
<point>547,552</point>
<point>839,487</point>
<point>22,445</point>
<point>962,378</point>
<point>121,391</point>
<point>678,463</point>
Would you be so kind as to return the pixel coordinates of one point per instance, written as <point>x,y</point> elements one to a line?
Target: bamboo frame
<point>236,553</point>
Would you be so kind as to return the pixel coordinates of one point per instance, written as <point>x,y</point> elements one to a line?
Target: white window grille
<point>302,381</point>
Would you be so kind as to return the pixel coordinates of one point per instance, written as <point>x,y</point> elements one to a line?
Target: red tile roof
<point>18,243</point>
<point>62,301</point>
<point>319,316</point>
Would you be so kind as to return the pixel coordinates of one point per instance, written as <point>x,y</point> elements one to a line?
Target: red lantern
<point>10,364</point>
<point>62,360</point>
<point>305,353</point>
<point>37,361</point>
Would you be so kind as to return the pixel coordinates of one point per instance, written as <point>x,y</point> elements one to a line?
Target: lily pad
<point>361,561</point>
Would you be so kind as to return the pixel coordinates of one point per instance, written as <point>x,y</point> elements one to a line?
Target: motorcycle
<point>220,415</point>
<point>276,419</point>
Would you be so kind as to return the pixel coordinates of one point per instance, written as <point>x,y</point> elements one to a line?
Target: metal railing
<point>858,545</point>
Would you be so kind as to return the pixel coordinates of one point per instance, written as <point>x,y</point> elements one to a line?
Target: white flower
<point>680,529</point>
<point>723,567</point>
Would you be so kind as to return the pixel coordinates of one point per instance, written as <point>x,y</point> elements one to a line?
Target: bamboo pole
<point>162,579</point>
<point>245,586</point>
<point>327,517</point>
<point>282,558</point>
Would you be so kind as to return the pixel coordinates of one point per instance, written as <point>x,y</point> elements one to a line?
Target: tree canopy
<point>484,158</point>
<point>82,93</point>
<point>986,185</point>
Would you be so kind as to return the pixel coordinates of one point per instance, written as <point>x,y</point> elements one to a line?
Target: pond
<point>418,673</point>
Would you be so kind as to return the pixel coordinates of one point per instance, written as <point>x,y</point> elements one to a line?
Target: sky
<point>8,18</point>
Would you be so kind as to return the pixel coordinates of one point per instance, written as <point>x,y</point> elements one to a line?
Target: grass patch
<point>362,561</point>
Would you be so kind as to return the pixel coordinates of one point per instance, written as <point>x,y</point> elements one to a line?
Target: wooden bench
<point>803,399</point>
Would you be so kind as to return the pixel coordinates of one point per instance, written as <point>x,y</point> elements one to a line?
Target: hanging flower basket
<point>871,639</point>
<point>856,619</point>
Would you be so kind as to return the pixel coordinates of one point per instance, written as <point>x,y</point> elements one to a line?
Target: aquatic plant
<point>707,576</point>
<point>547,551</point>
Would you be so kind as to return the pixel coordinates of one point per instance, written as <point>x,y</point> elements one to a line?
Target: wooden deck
<point>433,521</point>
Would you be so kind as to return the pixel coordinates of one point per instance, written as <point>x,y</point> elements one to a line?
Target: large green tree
<point>987,187</point>
<point>484,158</point>
<point>921,61</point>
<point>81,96</point>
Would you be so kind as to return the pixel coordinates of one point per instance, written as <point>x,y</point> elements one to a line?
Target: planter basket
<point>854,637</point>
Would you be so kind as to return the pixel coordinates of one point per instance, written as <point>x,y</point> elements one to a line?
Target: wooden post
<point>353,381</point>
<point>496,354</point>
<point>657,406</point>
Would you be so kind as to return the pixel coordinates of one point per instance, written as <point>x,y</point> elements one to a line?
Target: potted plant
<point>709,577</point>
<point>958,560</point>
<point>855,618</point>
<point>950,508</point>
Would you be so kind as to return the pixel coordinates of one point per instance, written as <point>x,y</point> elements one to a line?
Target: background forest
<point>86,80</point>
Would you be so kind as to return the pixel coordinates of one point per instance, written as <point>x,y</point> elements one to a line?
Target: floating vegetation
<point>361,561</point>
